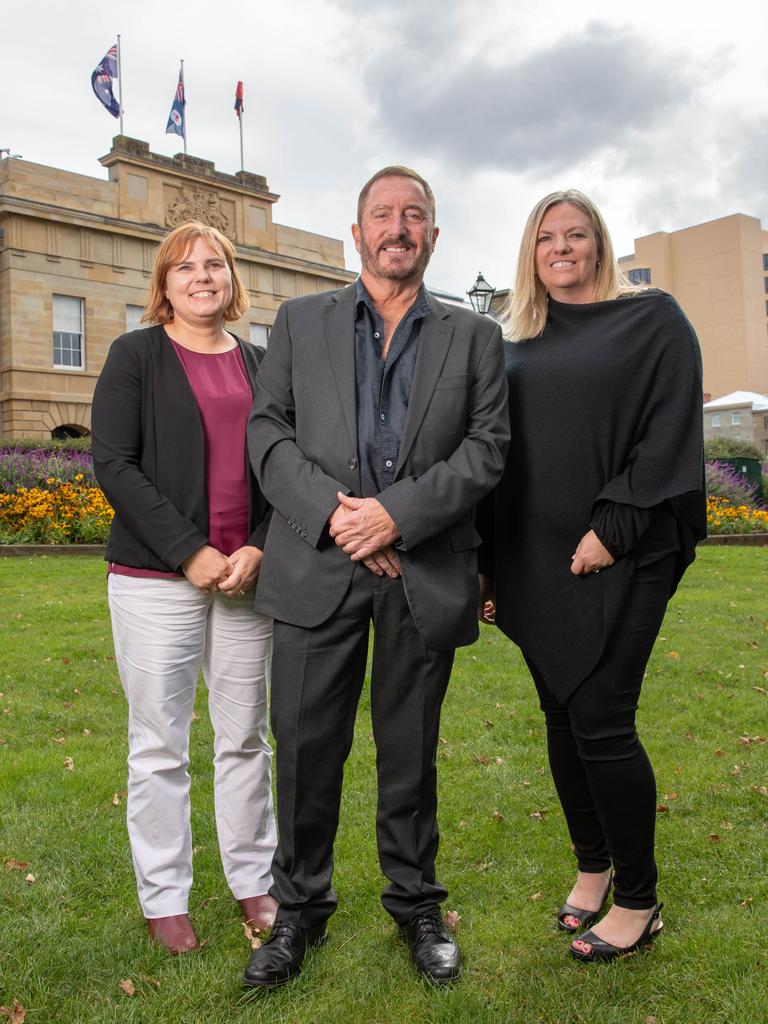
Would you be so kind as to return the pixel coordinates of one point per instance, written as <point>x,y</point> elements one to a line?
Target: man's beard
<point>415,269</point>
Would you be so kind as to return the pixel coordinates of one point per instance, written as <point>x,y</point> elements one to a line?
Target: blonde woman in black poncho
<point>587,536</point>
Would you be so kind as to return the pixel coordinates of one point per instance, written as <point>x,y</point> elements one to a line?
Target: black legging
<point>602,774</point>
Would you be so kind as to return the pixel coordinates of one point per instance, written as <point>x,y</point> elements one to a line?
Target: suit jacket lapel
<point>339,327</point>
<point>435,339</point>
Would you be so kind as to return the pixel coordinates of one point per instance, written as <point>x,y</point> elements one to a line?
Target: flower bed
<point>49,495</point>
<point>58,513</point>
<point>724,517</point>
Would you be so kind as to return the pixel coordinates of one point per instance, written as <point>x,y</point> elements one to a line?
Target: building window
<point>765,261</point>
<point>259,334</point>
<point>715,419</point>
<point>735,418</point>
<point>640,275</point>
<point>133,315</point>
<point>765,281</point>
<point>68,333</point>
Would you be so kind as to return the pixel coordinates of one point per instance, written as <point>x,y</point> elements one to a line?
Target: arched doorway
<point>69,430</point>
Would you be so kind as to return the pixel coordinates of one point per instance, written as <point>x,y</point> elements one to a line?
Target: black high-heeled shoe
<point>584,917</point>
<point>602,950</point>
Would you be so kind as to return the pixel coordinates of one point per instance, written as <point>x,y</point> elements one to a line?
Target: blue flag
<point>102,78</point>
<point>176,116</point>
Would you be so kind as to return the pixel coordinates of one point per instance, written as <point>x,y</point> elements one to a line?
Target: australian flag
<point>176,116</point>
<point>102,78</point>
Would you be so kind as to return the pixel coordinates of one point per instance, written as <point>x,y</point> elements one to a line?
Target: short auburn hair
<point>172,250</point>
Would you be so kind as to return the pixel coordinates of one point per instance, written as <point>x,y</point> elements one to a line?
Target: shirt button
<point>388,463</point>
<point>376,334</point>
<point>382,415</point>
<point>352,463</point>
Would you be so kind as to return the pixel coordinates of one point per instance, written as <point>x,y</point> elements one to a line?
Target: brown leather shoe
<point>259,911</point>
<point>175,933</point>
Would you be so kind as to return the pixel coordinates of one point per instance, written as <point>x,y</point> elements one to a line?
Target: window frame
<point>70,367</point>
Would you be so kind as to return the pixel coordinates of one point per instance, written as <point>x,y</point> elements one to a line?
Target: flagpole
<point>242,162</point>
<point>120,82</point>
<point>184,122</point>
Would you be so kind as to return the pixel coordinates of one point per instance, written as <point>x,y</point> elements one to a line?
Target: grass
<point>68,938</point>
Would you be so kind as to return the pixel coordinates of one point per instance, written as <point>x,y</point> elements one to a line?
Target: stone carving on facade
<point>195,203</point>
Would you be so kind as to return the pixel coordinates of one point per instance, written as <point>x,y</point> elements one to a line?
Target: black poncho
<point>605,407</point>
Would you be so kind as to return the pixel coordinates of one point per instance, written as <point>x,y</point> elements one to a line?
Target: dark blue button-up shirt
<point>383,387</point>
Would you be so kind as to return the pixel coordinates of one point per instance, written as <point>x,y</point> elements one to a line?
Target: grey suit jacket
<point>302,438</point>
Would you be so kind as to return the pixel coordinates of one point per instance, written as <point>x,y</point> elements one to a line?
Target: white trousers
<point>164,631</point>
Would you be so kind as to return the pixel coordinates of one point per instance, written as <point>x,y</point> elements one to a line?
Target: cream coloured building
<point>718,272</point>
<point>76,256</point>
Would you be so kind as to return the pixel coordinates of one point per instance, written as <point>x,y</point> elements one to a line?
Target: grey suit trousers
<point>316,684</point>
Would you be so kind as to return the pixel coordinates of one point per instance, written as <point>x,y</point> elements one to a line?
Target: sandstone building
<point>718,272</point>
<point>76,257</point>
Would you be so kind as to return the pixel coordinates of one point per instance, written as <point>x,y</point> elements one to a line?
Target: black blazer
<point>149,453</point>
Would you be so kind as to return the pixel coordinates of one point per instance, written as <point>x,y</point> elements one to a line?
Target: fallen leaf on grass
<point>760,689</point>
<point>86,732</point>
<point>2,742</point>
<point>452,918</point>
<point>746,903</point>
<point>661,808</point>
<point>719,753</point>
<point>672,654</point>
<point>499,760</point>
<point>726,826</point>
<point>76,691</point>
<point>481,759</point>
<point>748,741</point>
<point>670,796</point>
<point>736,770</point>
<point>195,716</point>
<point>69,764</point>
<point>488,723</point>
<point>538,815</point>
<point>536,896</point>
<point>762,790</point>
<point>30,879</point>
<point>16,865</point>
<point>6,711</point>
<point>497,816</point>
<point>16,1014</point>
<point>481,867</point>
<point>714,837</point>
<point>117,797</point>
<point>650,1020</point>
<point>252,935</point>
<point>127,986</point>
<point>150,980</point>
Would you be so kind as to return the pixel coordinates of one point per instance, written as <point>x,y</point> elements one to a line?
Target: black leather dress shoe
<point>281,956</point>
<point>433,950</point>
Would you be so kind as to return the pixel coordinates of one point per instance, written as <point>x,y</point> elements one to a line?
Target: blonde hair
<point>172,250</point>
<point>525,315</point>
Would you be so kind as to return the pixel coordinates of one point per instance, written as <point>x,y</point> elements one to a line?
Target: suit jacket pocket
<point>456,380</point>
<point>463,537</point>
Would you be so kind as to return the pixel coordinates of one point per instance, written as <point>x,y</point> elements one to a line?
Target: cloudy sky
<point>657,110</point>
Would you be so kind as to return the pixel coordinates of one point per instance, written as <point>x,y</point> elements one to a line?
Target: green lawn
<point>68,937</point>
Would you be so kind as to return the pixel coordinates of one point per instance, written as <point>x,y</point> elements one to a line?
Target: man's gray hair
<point>396,171</point>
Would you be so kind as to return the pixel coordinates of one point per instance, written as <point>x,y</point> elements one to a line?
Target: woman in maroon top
<point>169,419</point>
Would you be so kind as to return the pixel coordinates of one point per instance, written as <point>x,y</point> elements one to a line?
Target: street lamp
<point>481,294</point>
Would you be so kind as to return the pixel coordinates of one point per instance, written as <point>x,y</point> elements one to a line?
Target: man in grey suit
<point>379,421</point>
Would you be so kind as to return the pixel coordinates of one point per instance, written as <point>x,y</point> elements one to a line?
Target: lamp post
<point>481,295</point>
